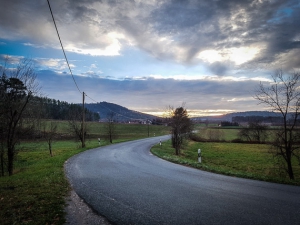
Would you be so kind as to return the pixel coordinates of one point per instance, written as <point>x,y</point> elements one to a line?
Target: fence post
<point>199,155</point>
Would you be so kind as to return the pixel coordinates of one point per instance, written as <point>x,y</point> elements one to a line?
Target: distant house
<point>140,121</point>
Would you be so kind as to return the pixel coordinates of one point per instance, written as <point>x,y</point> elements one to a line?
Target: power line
<point>108,108</point>
<point>101,105</point>
<point>84,94</point>
<point>117,113</point>
<point>91,98</point>
<point>62,46</point>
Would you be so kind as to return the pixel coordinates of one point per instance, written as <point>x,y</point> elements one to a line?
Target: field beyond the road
<point>235,159</point>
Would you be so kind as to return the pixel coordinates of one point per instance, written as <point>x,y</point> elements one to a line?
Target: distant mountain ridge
<point>124,114</point>
<point>121,113</point>
<point>229,116</point>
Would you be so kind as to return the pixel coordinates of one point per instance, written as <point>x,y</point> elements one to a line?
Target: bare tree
<point>283,96</point>
<point>110,126</point>
<point>255,132</point>
<point>181,127</point>
<point>49,133</point>
<point>17,87</point>
<point>75,126</point>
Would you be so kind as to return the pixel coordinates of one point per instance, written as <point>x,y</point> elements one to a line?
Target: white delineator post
<point>199,155</point>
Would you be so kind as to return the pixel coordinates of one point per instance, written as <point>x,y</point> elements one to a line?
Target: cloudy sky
<point>149,54</point>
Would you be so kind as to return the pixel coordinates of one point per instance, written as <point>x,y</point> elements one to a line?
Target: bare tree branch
<point>284,96</point>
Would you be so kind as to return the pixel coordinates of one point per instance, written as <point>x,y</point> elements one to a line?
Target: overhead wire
<point>70,67</point>
<point>101,105</point>
<point>62,46</point>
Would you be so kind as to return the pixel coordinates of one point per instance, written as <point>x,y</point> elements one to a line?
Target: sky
<point>146,55</point>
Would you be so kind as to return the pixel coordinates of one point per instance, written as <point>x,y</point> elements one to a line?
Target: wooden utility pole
<point>82,125</point>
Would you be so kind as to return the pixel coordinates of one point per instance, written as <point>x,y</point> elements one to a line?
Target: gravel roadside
<point>79,213</point>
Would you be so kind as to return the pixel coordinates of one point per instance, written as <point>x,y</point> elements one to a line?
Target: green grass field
<point>123,131</point>
<point>36,193</point>
<point>226,134</point>
<point>234,159</point>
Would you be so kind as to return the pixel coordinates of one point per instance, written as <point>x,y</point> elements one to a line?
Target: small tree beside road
<point>110,126</point>
<point>49,134</point>
<point>181,127</point>
<point>76,127</point>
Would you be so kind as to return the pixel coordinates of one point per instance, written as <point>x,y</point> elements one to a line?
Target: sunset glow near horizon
<point>148,55</point>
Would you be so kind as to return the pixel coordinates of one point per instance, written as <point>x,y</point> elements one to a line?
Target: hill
<point>229,116</point>
<point>122,114</point>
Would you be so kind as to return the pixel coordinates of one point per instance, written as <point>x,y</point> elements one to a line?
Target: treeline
<point>160,121</point>
<point>229,124</point>
<point>255,119</point>
<point>61,110</point>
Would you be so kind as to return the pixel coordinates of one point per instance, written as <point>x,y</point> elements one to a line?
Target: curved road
<point>128,185</point>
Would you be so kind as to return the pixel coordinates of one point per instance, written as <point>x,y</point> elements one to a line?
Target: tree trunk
<point>289,164</point>
<point>177,150</point>
<point>290,171</point>
<point>110,138</point>
<point>50,147</point>
<point>2,157</point>
<point>10,157</point>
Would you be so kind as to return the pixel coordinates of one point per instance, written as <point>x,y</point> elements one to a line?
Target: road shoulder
<point>78,212</point>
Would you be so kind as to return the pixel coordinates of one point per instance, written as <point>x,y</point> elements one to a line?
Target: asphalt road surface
<point>128,185</point>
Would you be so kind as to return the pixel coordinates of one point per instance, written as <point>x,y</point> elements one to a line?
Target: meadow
<point>245,160</point>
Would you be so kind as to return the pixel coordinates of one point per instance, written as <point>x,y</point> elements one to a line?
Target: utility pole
<point>82,125</point>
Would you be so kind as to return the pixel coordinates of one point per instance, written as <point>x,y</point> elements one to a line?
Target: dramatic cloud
<point>152,53</point>
<point>239,31</point>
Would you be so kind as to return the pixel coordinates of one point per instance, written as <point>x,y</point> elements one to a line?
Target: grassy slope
<point>35,193</point>
<point>241,160</point>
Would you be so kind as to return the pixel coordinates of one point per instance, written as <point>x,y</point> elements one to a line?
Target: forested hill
<point>60,110</point>
<point>120,113</point>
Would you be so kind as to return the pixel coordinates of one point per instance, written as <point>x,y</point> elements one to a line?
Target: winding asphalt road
<point>128,185</point>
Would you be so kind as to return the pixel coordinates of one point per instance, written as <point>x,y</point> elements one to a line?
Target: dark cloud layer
<point>200,25</point>
<point>153,93</point>
<point>190,26</point>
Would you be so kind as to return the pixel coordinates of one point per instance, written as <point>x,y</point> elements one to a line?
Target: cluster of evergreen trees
<point>229,124</point>
<point>61,110</point>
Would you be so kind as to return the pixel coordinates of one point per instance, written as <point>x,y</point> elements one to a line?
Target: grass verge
<point>36,193</point>
<point>241,160</point>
